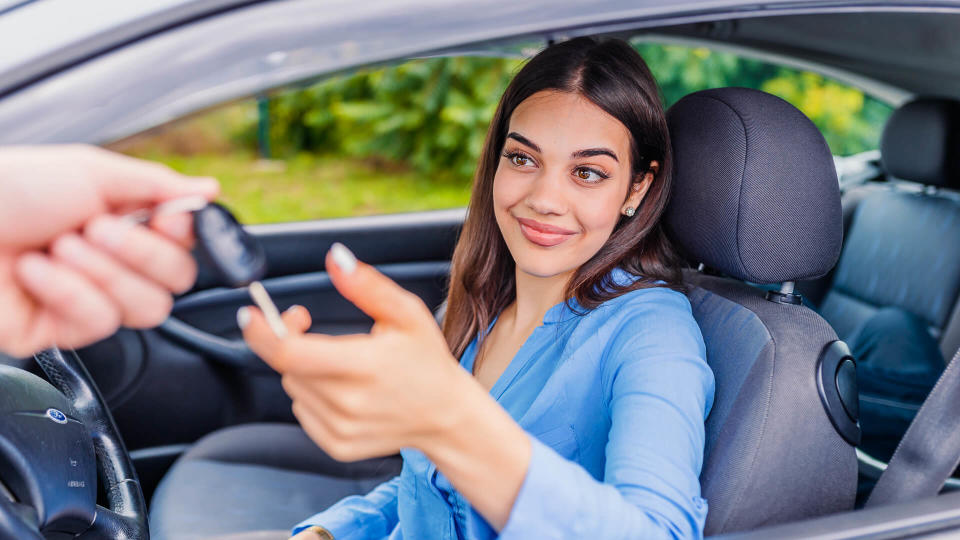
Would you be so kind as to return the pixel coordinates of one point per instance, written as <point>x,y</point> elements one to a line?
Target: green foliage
<point>850,121</point>
<point>430,114</point>
<point>306,187</point>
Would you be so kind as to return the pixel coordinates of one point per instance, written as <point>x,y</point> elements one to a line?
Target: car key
<point>223,243</point>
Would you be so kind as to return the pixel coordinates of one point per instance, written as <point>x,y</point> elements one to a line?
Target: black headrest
<point>755,190</point>
<point>921,142</point>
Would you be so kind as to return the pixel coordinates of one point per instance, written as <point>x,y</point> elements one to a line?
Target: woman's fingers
<point>144,251</point>
<point>314,354</point>
<point>340,438</point>
<point>142,303</point>
<point>297,319</point>
<point>374,293</point>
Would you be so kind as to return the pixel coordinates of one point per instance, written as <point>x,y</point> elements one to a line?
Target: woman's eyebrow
<point>523,140</point>
<point>590,152</point>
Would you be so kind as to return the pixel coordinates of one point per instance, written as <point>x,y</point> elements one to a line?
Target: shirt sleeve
<point>359,517</point>
<point>660,391</point>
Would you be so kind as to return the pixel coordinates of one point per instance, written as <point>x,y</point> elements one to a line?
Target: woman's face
<point>563,181</point>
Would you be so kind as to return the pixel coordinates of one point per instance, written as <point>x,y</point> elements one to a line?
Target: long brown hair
<point>615,78</point>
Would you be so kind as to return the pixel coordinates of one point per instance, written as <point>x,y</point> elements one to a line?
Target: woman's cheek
<point>508,190</point>
<point>598,215</point>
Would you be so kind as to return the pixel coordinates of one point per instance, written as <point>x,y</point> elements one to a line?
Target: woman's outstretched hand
<point>365,395</point>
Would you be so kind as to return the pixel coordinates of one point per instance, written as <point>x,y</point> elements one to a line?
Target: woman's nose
<point>546,195</point>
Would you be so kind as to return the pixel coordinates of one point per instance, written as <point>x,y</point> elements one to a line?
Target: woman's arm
<point>660,389</point>
<point>654,454</point>
<point>361,396</point>
<point>359,517</point>
<point>485,454</point>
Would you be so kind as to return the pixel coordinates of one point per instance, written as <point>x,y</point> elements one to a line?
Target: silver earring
<point>629,211</point>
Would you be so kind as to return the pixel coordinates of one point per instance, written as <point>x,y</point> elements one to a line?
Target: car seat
<point>756,199</point>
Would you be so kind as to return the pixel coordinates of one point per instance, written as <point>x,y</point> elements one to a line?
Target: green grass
<point>308,187</point>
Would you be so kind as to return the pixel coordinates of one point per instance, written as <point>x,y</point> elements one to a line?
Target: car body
<point>97,73</point>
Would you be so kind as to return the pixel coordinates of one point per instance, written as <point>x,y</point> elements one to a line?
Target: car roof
<point>892,49</point>
<point>41,36</point>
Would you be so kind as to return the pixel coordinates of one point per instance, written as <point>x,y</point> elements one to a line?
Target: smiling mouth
<point>542,234</point>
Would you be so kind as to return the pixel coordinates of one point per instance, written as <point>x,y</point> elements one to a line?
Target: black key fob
<point>222,242</point>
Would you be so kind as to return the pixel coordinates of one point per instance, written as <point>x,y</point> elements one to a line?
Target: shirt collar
<point>562,312</point>
<point>571,309</point>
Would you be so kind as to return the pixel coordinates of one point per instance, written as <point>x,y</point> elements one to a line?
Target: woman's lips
<point>542,234</point>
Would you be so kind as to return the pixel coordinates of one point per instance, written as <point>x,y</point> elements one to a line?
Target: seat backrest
<point>756,197</point>
<point>901,247</point>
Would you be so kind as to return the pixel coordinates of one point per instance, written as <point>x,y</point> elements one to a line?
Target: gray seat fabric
<point>756,198</point>
<point>772,455</point>
<point>255,477</point>
<point>900,249</point>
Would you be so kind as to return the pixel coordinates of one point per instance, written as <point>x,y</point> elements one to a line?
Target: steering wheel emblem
<point>56,416</point>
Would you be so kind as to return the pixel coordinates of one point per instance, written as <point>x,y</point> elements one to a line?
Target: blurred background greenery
<point>407,137</point>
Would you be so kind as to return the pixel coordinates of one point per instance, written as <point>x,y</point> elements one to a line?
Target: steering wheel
<point>55,441</point>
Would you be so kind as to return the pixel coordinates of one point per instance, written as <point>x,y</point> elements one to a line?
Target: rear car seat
<point>901,260</point>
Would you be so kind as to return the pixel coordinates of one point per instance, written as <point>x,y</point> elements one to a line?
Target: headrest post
<point>785,295</point>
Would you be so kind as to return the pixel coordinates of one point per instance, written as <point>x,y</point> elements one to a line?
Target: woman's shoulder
<point>656,300</point>
<point>654,319</point>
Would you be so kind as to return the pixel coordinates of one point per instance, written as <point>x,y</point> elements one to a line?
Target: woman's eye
<point>519,160</point>
<point>589,175</point>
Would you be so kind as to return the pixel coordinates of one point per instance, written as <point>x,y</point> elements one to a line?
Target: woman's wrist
<point>455,408</point>
<point>483,452</point>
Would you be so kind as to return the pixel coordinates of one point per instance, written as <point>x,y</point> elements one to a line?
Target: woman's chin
<point>545,268</point>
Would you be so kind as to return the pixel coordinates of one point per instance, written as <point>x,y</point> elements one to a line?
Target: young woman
<point>577,407</point>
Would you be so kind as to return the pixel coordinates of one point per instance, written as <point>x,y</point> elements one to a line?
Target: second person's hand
<point>71,270</point>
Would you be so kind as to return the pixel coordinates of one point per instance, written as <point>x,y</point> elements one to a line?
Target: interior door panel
<point>172,385</point>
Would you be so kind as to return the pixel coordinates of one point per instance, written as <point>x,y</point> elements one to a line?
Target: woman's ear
<point>639,187</point>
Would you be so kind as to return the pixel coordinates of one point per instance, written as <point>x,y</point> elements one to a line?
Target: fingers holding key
<point>176,227</point>
<point>69,309</point>
<point>142,303</point>
<point>144,251</point>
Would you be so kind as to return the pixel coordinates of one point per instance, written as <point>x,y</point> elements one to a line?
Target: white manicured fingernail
<point>293,307</point>
<point>343,258</point>
<point>243,317</point>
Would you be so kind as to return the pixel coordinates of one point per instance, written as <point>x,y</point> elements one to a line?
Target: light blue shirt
<point>614,402</point>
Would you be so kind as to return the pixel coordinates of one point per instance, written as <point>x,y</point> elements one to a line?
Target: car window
<point>399,138</point>
<point>851,121</point>
<point>406,137</point>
